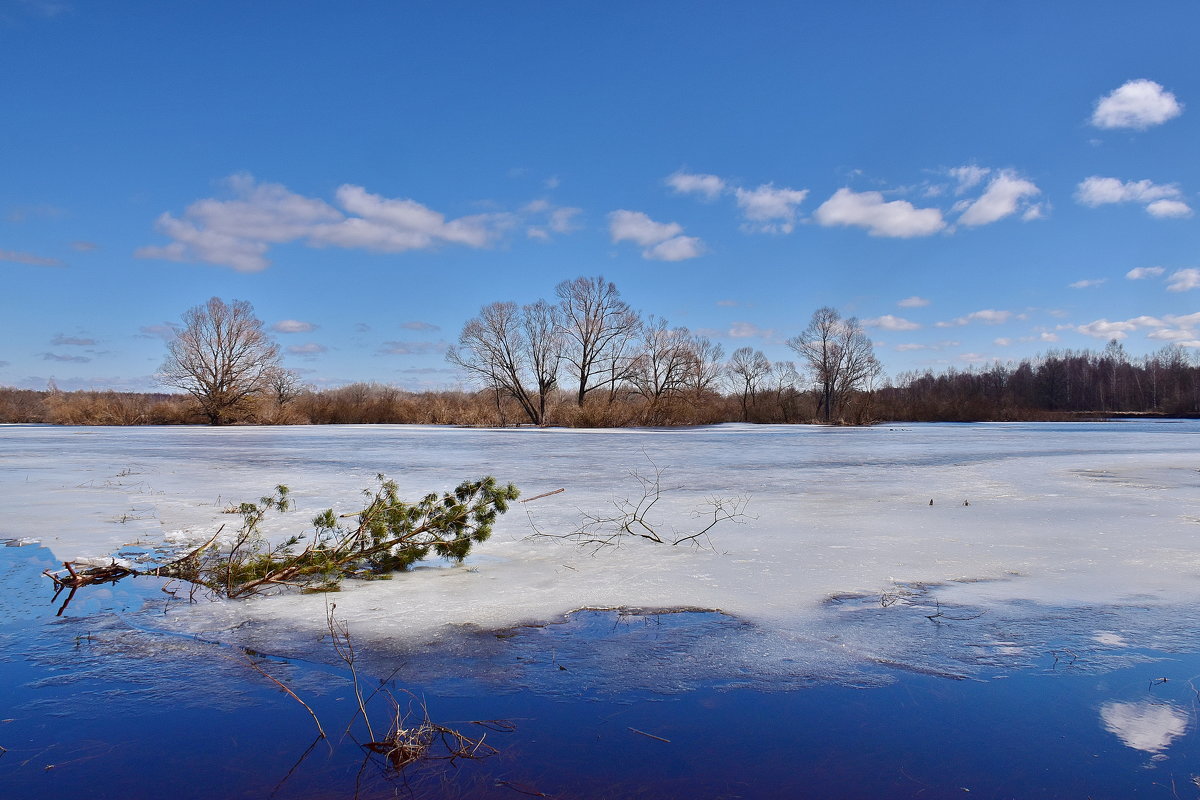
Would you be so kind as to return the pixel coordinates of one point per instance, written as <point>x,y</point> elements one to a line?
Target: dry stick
<point>540,496</point>
<point>651,735</point>
<point>283,686</point>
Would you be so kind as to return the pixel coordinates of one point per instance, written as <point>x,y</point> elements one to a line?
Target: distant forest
<point>1055,386</point>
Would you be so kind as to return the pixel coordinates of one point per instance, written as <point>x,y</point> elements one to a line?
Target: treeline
<point>1055,386</point>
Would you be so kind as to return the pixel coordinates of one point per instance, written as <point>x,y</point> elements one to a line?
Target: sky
<point>973,181</point>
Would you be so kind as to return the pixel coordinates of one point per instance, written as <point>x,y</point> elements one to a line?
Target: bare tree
<point>705,364</point>
<point>513,351</point>
<point>597,326</point>
<point>839,354</point>
<point>660,367</point>
<point>747,367</point>
<point>221,357</point>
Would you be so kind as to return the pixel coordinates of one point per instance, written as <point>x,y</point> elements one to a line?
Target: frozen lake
<point>1029,634</point>
<point>1036,532</point>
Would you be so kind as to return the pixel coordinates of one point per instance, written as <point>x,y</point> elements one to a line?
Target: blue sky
<point>973,181</point>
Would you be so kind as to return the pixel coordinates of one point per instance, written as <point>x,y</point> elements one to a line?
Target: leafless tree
<point>221,357</point>
<point>283,386</point>
<point>513,351</point>
<point>706,365</point>
<point>747,367</point>
<point>784,380</point>
<point>660,367</point>
<point>597,327</point>
<point>839,354</point>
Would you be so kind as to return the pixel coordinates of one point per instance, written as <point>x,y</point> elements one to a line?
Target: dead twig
<point>636,519</point>
<point>257,668</point>
<point>543,494</point>
<point>650,735</point>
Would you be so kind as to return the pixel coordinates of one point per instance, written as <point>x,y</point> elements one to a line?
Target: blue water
<point>98,703</point>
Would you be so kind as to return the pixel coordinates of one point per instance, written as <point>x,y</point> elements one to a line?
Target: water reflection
<point>1147,726</point>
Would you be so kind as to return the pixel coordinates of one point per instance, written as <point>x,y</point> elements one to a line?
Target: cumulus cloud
<point>1087,283</point>
<point>1169,209</point>
<point>166,331</point>
<point>1139,273</point>
<point>708,187</point>
<point>293,326</point>
<point>1137,104</point>
<point>412,348</point>
<point>913,302</point>
<point>71,341</point>
<point>968,177</point>
<point>1160,200</point>
<point>30,259</point>
<point>677,248</point>
<point>237,232</point>
<point>1005,195</point>
<point>988,316</point>
<point>910,347</point>
<point>562,220</point>
<point>889,322</point>
<point>768,209</point>
<point>748,330</point>
<point>308,349</point>
<point>662,241</point>
<point>1184,280</point>
<point>637,227</point>
<point>895,218</point>
<point>417,325</point>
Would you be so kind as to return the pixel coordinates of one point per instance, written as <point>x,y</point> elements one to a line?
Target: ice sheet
<point>1065,516</point>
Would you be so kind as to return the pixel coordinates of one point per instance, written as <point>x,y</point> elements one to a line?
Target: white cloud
<point>30,259</point>
<point>1103,329</point>
<point>988,316</point>
<point>412,348</point>
<point>1087,283</point>
<point>663,241</point>
<point>634,226</point>
<point>768,209</point>
<point>293,326</point>
<point>913,302</point>
<point>1169,209</point>
<point>1136,104</point>
<point>896,218</point>
<point>891,323</point>
<point>707,186</point>
<point>906,348</point>
<point>418,325</point>
<point>1161,200</point>
<point>1035,211</point>
<point>238,232</point>
<point>1003,197</point>
<point>677,248</point>
<point>395,225</point>
<point>747,330</point>
<point>166,331</point>
<point>1171,334</point>
<point>1184,280</point>
<point>309,349</point>
<point>1138,273</point>
<point>968,177</point>
<point>562,220</point>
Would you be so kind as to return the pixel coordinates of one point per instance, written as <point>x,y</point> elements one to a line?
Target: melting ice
<point>1036,534</point>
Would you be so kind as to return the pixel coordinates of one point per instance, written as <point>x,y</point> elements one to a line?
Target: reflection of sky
<point>1146,726</point>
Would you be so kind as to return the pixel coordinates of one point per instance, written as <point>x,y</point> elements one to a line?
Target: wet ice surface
<point>1037,533</point>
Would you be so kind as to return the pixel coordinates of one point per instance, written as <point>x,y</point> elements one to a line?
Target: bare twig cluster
<point>635,518</point>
